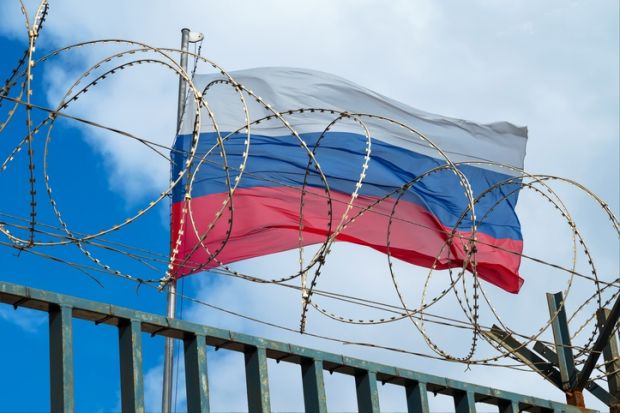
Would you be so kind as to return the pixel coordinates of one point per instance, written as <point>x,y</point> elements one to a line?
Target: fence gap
<point>340,392</point>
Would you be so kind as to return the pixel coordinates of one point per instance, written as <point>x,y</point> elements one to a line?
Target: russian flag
<point>365,179</point>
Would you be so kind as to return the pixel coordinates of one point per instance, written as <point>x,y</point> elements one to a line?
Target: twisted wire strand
<point>30,235</point>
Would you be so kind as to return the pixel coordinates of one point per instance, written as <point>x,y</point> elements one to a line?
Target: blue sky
<point>552,67</point>
<point>87,197</point>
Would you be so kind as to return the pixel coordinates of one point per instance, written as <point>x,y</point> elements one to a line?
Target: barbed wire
<point>457,255</point>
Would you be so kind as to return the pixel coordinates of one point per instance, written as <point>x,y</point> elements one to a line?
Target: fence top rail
<point>101,313</point>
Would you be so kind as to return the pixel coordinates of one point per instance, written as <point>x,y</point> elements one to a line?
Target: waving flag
<point>282,182</point>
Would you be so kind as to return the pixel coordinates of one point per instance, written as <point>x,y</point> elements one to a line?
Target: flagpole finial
<point>195,37</point>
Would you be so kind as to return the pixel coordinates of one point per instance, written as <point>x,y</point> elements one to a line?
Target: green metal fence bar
<point>417,397</point>
<point>592,386</point>
<point>62,308</point>
<point>464,402</point>
<point>561,336</point>
<point>196,380</point>
<point>564,349</point>
<point>314,386</point>
<point>525,355</point>
<point>509,406</point>
<point>61,358</point>
<point>611,355</point>
<point>366,391</point>
<point>605,332</point>
<point>257,380</point>
<point>130,355</point>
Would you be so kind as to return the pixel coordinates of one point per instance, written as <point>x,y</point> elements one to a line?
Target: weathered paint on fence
<point>196,337</point>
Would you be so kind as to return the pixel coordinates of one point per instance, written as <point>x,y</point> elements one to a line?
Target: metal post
<point>257,380</point>
<point>524,354</point>
<point>314,386</point>
<point>166,399</point>
<point>417,397</point>
<point>564,349</point>
<point>605,332</point>
<point>592,386</point>
<point>367,393</point>
<point>611,355</point>
<point>61,359</point>
<point>196,381</point>
<point>182,85</point>
<point>464,402</point>
<point>509,406</point>
<point>130,356</point>
<point>169,353</point>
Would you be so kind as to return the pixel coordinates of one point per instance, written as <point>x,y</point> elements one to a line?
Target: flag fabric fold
<point>399,186</point>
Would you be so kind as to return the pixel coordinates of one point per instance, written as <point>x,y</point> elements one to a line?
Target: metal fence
<point>131,324</point>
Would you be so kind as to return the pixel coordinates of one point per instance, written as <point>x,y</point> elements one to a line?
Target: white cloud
<point>28,320</point>
<point>153,384</point>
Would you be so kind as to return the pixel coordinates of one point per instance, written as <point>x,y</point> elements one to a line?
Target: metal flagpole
<point>187,37</point>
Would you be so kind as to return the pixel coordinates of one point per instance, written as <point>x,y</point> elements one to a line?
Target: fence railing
<point>131,324</point>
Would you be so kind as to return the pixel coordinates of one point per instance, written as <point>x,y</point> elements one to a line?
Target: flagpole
<point>166,399</point>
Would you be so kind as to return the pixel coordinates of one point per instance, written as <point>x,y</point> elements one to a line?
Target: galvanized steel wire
<point>29,234</point>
